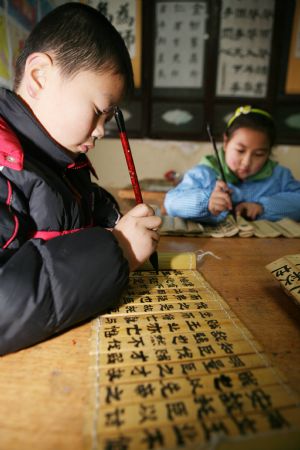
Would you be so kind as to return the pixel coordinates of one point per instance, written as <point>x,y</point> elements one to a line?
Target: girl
<point>257,187</point>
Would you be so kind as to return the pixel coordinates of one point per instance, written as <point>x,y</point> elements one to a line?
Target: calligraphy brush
<point>212,140</point>
<point>131,169</point>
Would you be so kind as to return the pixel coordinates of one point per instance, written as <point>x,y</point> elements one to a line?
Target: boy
<point>65,253</point>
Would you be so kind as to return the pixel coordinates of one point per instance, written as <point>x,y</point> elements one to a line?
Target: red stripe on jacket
<point>16,227</point>
<point>47,235</point>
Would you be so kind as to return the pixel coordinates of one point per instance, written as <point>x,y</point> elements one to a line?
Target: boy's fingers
<point>141,210</point>
<point>146,214</point>
<point>152,222</point>
<point>155,236</point>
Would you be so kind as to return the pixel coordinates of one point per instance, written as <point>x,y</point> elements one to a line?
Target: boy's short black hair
<point>253,118</point>
<point>79,38</point>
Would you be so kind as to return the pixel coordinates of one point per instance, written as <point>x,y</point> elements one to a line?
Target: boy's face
<point>70,108</point>
<point>246,152</point>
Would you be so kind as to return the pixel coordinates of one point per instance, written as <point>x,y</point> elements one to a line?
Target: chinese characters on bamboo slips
<point>173,366</point>
<point>286,270</point>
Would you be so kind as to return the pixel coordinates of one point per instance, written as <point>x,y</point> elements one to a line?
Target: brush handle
<point>132,171</point>
<point>131,168</point>
<point>128,156</point>
<point>216,152</point>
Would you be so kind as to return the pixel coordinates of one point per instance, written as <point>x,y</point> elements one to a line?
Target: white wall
<point>153,158</point>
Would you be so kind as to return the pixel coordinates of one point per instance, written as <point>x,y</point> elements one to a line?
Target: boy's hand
<point>249,210</point>
<point>137,234</point>
<point>220,199</point>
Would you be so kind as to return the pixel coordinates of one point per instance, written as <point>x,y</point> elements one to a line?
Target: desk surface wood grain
<point>45,391</point>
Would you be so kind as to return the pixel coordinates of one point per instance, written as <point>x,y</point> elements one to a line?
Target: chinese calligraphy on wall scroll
<point>126,18</point>
<point>244,48</point>
<point>293,79</point>
<point>179,44</point>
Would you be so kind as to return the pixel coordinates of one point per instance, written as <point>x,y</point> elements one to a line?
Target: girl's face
<point>246,151</point>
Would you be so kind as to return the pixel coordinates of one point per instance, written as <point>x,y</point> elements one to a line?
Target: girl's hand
<point>220,199</point>
<point>249,210</point>
<point>137,234</point>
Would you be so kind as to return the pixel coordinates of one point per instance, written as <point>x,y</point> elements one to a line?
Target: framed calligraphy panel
<point>245,38</point>
<point>293,78</point>
<point>180,33</point>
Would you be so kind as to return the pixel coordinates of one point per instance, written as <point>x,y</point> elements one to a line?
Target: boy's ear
<point>37,70</point>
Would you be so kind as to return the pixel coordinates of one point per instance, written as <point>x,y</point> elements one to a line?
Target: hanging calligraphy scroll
<point>173,367</point>
<point>293,78</point>
<point>244,48</point>
<point>179,44</point>
<point>126,18</point>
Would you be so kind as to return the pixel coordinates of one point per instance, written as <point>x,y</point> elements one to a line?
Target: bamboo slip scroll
<point>173,368</point>
<point>286,270</point>
<point>176,226</point>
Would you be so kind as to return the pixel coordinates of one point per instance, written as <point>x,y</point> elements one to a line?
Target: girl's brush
<point>212,140</point>
<point>131,169</point>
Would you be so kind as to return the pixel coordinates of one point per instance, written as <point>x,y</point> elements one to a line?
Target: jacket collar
<point>28,130</point>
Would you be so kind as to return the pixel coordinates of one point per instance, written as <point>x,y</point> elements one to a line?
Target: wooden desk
<point>252,293</point>
<point>45,390</point>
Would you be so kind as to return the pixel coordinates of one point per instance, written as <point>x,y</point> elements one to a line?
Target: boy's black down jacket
<point>58,263</point>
